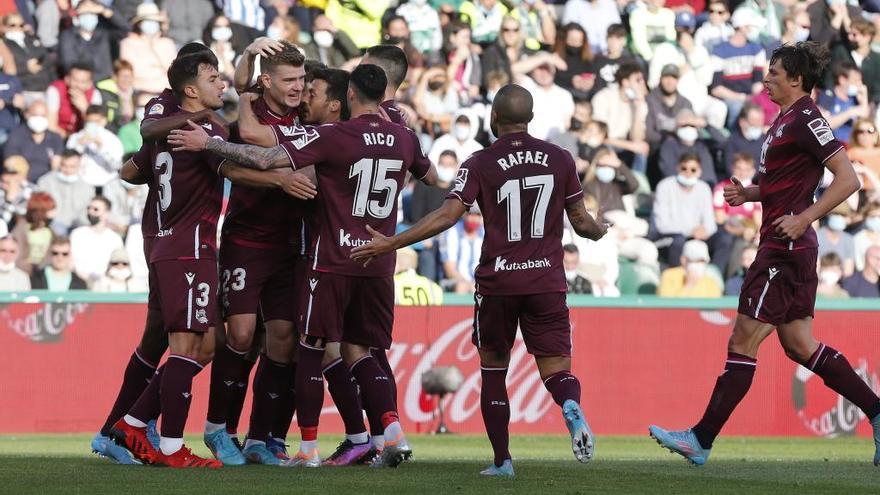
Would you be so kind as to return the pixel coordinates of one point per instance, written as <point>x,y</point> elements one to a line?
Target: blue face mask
<point>873,224</point>
<point>88,21</point>
<point>836,222</point>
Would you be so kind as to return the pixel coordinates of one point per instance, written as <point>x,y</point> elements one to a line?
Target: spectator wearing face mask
<point>665,105</point>
<point>220,38</point>
<point>691,279</point>
<point>682,209</point>
<point>426,199</point>
<point>460,249</point>
<point>147,50</point>
<point>88,40</point>
<point>396,32</point>
<point>33,140</point>
<point>101,150</point>
<point>12,278</point>
<point>93,244</point>
<point>864,283</point>
<point>830,274</point>
<point>572,139</point>
<point>460,139</point>
<point>33,66</point>
<point>609,180</point>
<point>869,235</point>
<point>686,140</point>
<point>576,282</point>
<point>857,50</point>
<point>737,225</point>
<point>833,238</point>
<point>746,136</point>
<point>15,190</point>
<point>70,192</point>
<point>846,101</point>
<point>330,45</point>
<point>119,277</point>
<point>435,101</point>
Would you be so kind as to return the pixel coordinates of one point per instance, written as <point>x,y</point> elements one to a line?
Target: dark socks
<point>284,416</point>
<point>176,394</point>
<point>309,388</point>
<point>730,388</point>
<point>381,357</point>
<point>345,396</point>
<point>839,376</point>
<point>495,408</point>
<point>134,381</point>
<point>270,384</point>
<point>563,386</point>
<point>148,406</point>
<point>227,371</point>
<point>237,397</point>
<point>376,392</point>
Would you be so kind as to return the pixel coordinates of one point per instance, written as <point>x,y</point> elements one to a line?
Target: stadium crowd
<point>659,102</point>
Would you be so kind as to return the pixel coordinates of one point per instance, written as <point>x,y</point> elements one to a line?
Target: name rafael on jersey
<point>522,157</point>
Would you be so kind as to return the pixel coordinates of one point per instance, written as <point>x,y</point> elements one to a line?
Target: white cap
<point>746,18</point>
<point>695,250</point>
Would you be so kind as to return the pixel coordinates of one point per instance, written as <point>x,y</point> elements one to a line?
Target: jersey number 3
<point>164,158</point>
<point>371,177</point>
<point>511,193</point>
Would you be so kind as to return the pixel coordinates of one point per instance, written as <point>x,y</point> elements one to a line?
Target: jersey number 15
<point>371,178</point>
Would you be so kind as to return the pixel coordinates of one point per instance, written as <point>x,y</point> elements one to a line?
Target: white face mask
<point>696,268</point>
<point>490,96</point>
<point>88,22</point>
<point>630,93</point>
<point>571,275</point>
<point>324,39</point>
<point>274,32</point>
<point>150,28</point>
<point>38,123</point>
<point>594,142</point>
<point>222,33</point>
<point>119,273</point>
<point>829,277</point>
<point>605,174</point>
<point>852,90</point>
<point>139,114</point>
<point>445,174</point>
<point>462,132</point>
<point>92,127</point>
<point>836,222</point>
<point>873,224</point>
<point>68,179</point>
<point>753,133</point>
<point>15,36</point>
<point>7,267</point>
<point>801,34</point>
<point>687,181</point>
<point>687,134</point>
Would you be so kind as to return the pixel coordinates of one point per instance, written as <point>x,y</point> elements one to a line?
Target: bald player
<point>522,186</point>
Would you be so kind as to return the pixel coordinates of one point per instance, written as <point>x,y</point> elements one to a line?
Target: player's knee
<point>494,359</point>
<point>799,352</point>
<point>239,339</point>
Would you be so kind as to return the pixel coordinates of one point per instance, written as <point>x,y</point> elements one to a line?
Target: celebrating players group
<point>303,274</point>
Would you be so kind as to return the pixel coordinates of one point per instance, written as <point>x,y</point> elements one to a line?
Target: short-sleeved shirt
<point>522,185</point>
<point>793,158</point>
<point>157,108</point>
<point>265,218</point>
<point>189,193</point>
<point>361,165</point>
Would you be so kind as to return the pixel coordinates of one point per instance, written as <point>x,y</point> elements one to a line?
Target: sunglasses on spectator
<point>865,131</point>
<point>60,253</point>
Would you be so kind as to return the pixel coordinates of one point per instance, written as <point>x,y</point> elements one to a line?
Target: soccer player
<point>779,290</point>
<point>145,358</point>
<point>361,165</point>
<point>258,256</point>
<point>522,185</point>
<point>392,60</point>
<point>184,260</point>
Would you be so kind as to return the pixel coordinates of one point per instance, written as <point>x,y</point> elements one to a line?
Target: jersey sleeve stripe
<point>459,198</point>
<point>832,154</point>
<point>575,194</point>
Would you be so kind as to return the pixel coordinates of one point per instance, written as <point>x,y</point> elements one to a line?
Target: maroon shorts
<point>542,318</point>
<point>357,310</point>
<point>187,293</point>
<point>780,286</point>
<point>258,280</point>
<point>153,284</point>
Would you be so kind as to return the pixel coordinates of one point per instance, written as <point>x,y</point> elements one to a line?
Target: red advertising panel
<point>63,364</point>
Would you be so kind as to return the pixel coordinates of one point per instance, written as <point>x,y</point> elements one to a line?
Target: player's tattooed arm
<point>296,184</point>
<point>196,139</point>
<point>584,223</point>
<point>430,225</point>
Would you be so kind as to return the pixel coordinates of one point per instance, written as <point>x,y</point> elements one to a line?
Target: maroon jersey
<point>189,195</point>
<point>388,109</point>
<point>522,185</point>
<point>264,218</point>
<point>157,108</point>
<point>361,166</point>
<point>793,157</point>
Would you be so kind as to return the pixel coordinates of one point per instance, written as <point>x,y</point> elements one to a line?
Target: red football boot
<point>184,458</point>
<point>135,440</point>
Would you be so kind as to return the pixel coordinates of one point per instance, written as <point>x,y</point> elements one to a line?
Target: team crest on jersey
<point>808,112</point>
<point>461,180</point>
<point>820,128</point>
<point>779,130</point>
<point>201,316</point>
<point>300,136</point>
<point>156,109</point>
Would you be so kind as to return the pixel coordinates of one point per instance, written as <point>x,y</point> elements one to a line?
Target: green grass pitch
<point>48,464</point>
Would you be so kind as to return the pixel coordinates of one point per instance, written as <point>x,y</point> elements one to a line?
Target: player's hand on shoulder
<point>735,192</point>
<point>379,245</point>
<point>191,138</point>
<point>297,184</point>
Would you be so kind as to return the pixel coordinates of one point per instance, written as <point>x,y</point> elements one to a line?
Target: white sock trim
<point>358,438</point>
<point>133,421</point>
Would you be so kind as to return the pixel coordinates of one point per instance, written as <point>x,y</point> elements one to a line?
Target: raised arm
<point>249,127</point>
<point>196,139</point>
<point>430,225</point>
<point>583,223</point>
<point>244,71</point>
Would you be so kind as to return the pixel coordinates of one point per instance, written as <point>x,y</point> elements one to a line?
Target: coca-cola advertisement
<point>637,366</point>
